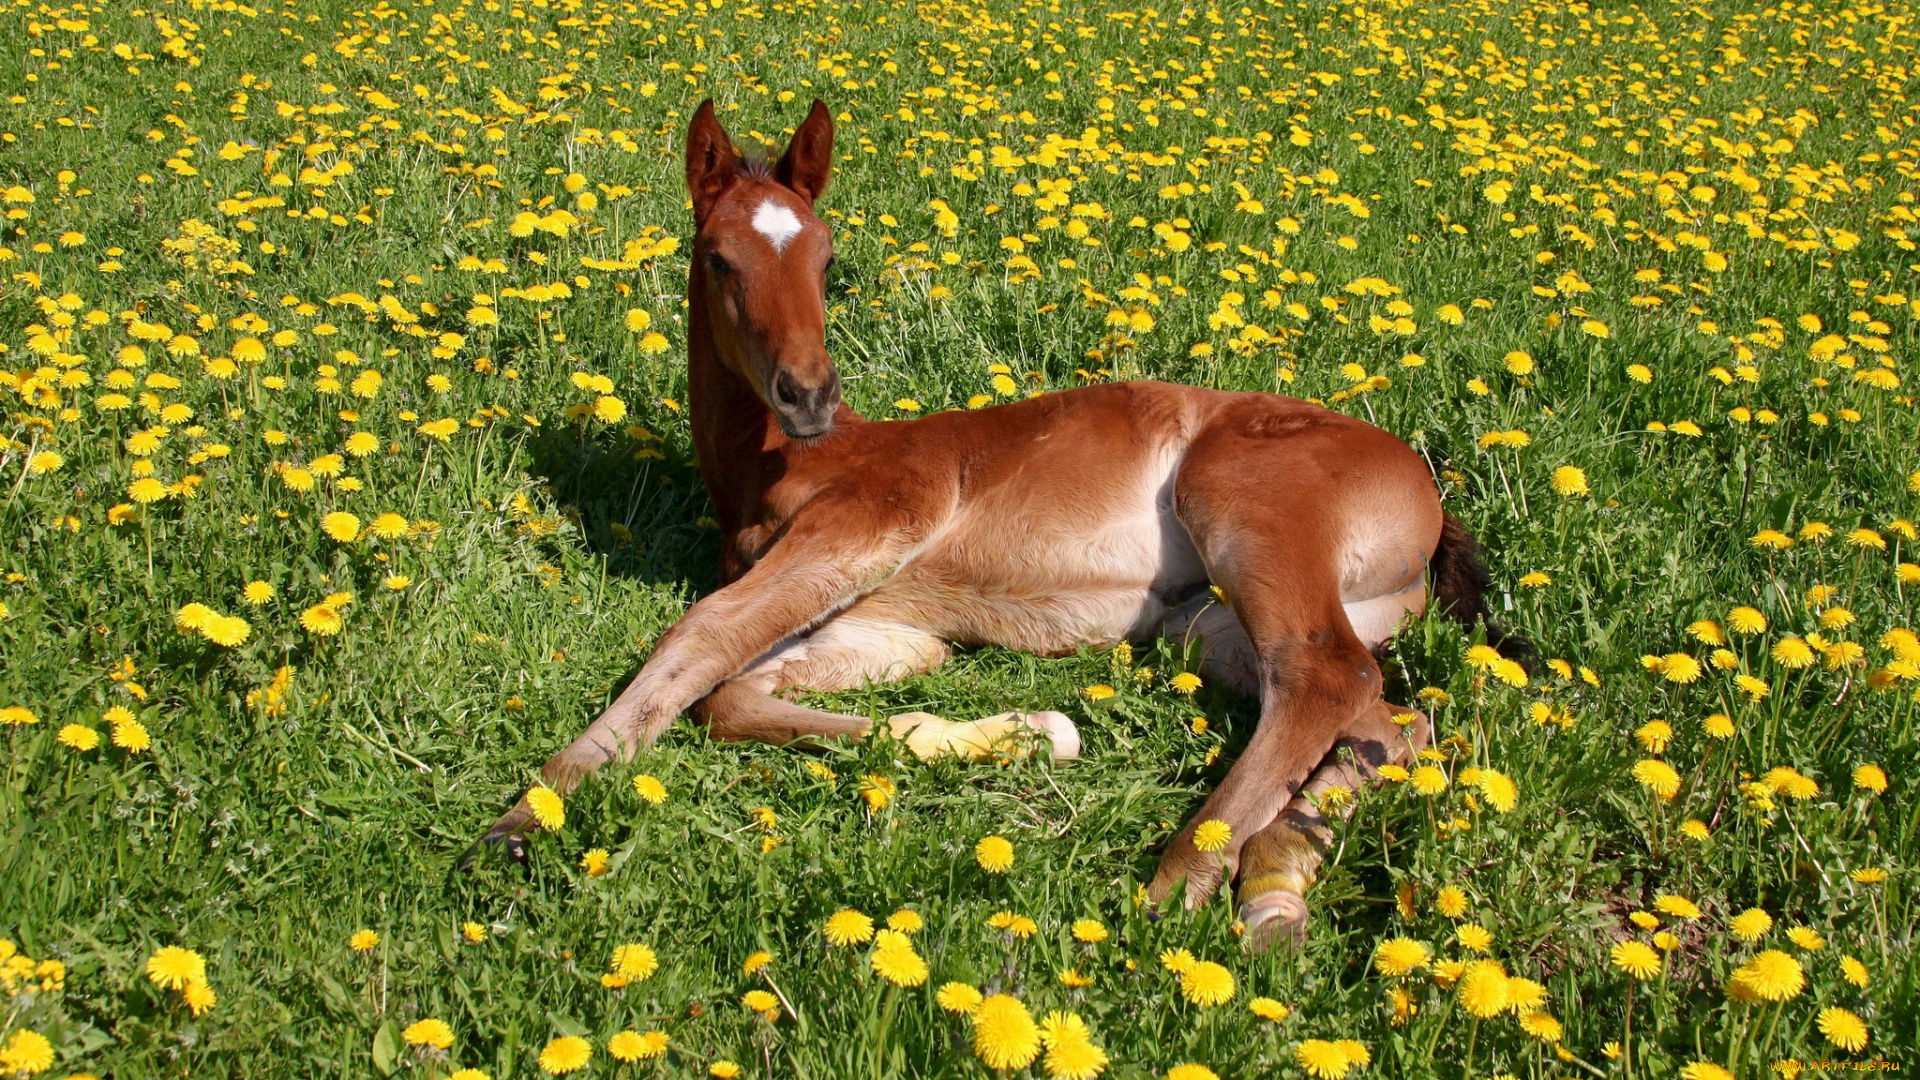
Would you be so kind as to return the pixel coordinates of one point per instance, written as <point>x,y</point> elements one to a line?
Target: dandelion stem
<point>1626,1036</point>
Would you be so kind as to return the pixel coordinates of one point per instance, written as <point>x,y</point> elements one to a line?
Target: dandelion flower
<point>994,854</point>
<point>322,620</point>
<point>1071,1053</point>
<point>1677,906</point>
<point>1483,989</point>
<point>906,921</point>
<point>629,1046</point>
<point>723,1070</point>
<point>759,1001</point>
<point>1398,956</point>
<point>1843,1029</point>
<point>1321,1059</point>
<point>1207,984</point>
<point>257,593</point>
<point>1569,481</point>
<point>634,962</point>
<point>1542,1026</point>
<point>131,735</point>
<point>434,1033</point>
<point>1772,976</point>
<point>1807,938</point>
<point>1004,1034</point>
<point>172,967</point>
<point>549,810</point>
<point>958,997</point>
<point>1637,959</point>
<point>650,789</point>
<point>1191,1072</point>
<point>1186,682</point>
<point>363,941</point>
<point>79,737</point>
<point>146,490</point>
<point>341,526</point>
<point>1854,972</point>
<point>1267,1008</point>
<point>1658,777</point>
<point>1704,1070</point>
<point>1090,931</point>
<point>896,962</point>
<point>1751,924</point>
<point>1871,778</point>
<point>1212,835</point>
<point>1474,938</point>
<point>26,1052</point>
<point>568,1053</point>
<point>848,927</point>
<point>1429,780</point>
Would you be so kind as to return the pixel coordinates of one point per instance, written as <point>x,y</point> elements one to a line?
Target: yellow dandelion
<point>1211,836</point>
<point>568,1053</point>
<point>1637,959</point>
<point>549,809</point>
<point>650,789</point>
<point>1320,1059</point>
<point>1207,984</point>
<point>172,967</point>
<point>848,927</point>
<point>994,854</point>
<point>1004,1034</point>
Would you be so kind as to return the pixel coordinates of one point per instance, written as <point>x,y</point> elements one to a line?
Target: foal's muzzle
<point>805,411</point>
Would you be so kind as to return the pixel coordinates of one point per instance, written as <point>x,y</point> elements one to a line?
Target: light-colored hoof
<point>1059,731</point>
<point>931,737</point>
<point>1277,917</point>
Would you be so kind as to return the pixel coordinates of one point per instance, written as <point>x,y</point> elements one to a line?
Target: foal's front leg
<point>823,563</point>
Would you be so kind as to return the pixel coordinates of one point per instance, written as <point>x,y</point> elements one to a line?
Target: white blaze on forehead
<point>777,223</point>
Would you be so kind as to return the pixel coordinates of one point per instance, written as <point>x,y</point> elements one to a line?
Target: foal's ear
<point>808,161</point>
<point>711,164</point>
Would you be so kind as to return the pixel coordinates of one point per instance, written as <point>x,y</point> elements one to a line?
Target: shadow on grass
<point>638,500</point>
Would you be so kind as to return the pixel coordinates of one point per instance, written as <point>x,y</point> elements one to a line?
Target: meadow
<point>346,477</point>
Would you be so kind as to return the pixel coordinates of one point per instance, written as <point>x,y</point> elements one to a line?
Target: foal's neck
<point>735,436</point>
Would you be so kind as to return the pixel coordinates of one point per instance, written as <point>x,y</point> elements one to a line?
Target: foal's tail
<point>1461,583</point>
<point>1460,580</point>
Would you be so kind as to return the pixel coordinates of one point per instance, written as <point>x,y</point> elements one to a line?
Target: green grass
<point>264,837</point>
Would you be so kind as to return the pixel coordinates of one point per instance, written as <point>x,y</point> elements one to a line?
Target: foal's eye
<point>717,265</point>
<point>831,259</point>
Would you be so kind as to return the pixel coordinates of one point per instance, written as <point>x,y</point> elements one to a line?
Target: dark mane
<point>755,163</point>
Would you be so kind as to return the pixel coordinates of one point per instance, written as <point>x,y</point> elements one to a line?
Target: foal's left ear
<point>808,161</point>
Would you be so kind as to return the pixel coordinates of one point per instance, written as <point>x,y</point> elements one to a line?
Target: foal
<point>859,552</point>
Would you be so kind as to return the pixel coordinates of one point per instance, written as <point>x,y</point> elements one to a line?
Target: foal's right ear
<point>711,163</point>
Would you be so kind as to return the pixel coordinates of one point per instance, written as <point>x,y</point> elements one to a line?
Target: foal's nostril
<point>785,393</point>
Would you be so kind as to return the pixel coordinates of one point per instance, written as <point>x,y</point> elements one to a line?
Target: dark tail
<point>1460,586</point>
<point>1460,580</point>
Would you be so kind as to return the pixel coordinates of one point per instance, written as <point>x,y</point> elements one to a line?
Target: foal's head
<point>760,260</point>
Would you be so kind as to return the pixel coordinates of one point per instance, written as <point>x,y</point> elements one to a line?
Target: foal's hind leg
<point>1283,859</point>
<point>1294,511</point>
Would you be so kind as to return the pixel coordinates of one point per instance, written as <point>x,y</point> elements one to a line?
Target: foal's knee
<point>1328,671</point>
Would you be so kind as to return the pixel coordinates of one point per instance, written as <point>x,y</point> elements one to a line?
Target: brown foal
<point>859,552</point>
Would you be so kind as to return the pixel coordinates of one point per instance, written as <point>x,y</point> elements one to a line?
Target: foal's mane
<point>755,162</point>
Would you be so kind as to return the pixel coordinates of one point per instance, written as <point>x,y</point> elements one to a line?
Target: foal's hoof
<point>509,834</point>
<point>931,737</point>
<point>1277,917</point>
<point>1059,730</point>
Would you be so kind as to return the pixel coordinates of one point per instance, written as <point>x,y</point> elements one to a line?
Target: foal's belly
<point>1049,572</point>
